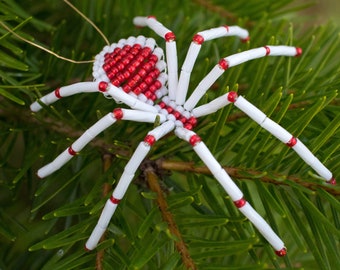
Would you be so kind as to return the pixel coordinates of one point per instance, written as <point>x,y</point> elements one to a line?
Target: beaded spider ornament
<point>133,72</point>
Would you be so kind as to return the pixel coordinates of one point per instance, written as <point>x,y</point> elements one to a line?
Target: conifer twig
<point>152,181</point>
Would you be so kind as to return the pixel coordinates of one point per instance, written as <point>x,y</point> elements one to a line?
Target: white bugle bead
<point>262,226</point>
<point>249,109</point>
<point>101,226</point>
<point>274,128</point>
<point>65,91</point>
<point>211,107</point>
<point>137,157</point>
<point>184,78</point>
<point>203,87</point>
<point>171,58</point>
<point>219,173</point>
<point>55,164</point>
<point>140,116</point>
<point>120,96</point>
<point>93,240</point>
<point>311,160</point>
<point>93,131</point>
<point>162,130</point>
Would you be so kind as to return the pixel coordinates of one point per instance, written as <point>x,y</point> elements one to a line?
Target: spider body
<point>134,72</point>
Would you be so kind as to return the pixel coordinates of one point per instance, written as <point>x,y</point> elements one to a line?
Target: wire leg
<point>65,91</point>
<point>125,180</point>
<point>89,134</point>
<point>230,187</point>
<point>284,136</point>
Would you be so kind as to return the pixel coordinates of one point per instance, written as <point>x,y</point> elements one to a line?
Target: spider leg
<point>125,180</point>
<point>65,91</point>
<point>170,46</point>
<point>282,134</point>
<point>194,49</point>
<point>93,131</point>
<point>230,187</point>
<point>234,60</point>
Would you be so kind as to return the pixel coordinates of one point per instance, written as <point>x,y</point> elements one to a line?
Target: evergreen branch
<point>239,173</point>
<point>152,180</point>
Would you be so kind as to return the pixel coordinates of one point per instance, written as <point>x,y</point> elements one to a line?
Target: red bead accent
<point>153,58</point>
<point>118,113</point>
<point>240,203</point>
<point>223,64</point>
<point>192,121</point>
<point>194,139</point>
<point>114,200</point>
<point>188,126</point>
<point>162,104</point>
<point>71,151</point>
<point>244,40</point>
<point>332,181</point>
<point>152,17</point>
<point>137,90</point>
<point>57,93</point>
<point>102,86</point>
<point>126,88</point>
<point>282,252</point>
<point>226,27</point>
<point>198,39</point>
<point>169,109</point>
<point>232,96</point>
<point>170,36</point>
<point>292,142</point>
<point>150,140</point>
<point>177,114</point>
<point>298,52</point>
<point>267,50</point>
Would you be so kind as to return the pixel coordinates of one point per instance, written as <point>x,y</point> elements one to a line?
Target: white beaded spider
<point>133,72</point>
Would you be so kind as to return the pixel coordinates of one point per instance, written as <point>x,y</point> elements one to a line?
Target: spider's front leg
<point>230,187</point>
<point>89,134</point>
<point>125,180</point>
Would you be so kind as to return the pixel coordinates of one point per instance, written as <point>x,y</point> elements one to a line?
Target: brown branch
<point>247,174</point>
<point>181,247</point>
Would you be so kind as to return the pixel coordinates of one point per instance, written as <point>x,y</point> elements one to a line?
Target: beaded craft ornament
<point>134,72</point>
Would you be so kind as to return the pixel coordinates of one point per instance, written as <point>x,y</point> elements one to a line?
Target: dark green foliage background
<point>44,223</point>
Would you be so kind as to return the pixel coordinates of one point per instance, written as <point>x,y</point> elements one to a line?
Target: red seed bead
<point>332,181</point>
<point>145,52</point>
<point>143,86</point>
<point>292,142</point>
<point>193,121</point>
<point>267,50</point>
<point>71,151</point>
<point>137,90</point>
<point>153,58</point>
<point>281,252</point>
<point>188,126</point>
<point>223,64</point>
<point>162,104</point>
<point>126,88</point>
<point>114,200</point>
<point>106,68</point>
<point>148,94</point>
<point>142,72</point>
<point>148,80</point>
<point>153,97</point>
<point>118,113</point>
<point>126,75</point>
<point>183,119</point>
<point>240,203</point>
<point>150,140</point>
<point>198,39</point>
<point>232,96</point>
<point>102,86</point>
<point>298,52</point>
<point>194,139</point>
<point>226,27</point>
<point>115,82</point>
<point>169,109</point>
<point>177,114</point>
<point>57,93</point>
<point>157,84</point>
<point>170,36</point>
